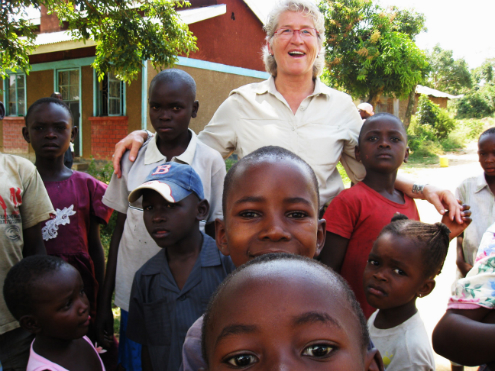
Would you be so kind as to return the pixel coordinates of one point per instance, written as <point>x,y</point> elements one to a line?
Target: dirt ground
<point>461,165</point>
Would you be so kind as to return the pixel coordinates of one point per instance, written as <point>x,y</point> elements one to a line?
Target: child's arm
<point>104,317</point>
<point>145,359</point>
<point>464,267</point>
<point>33,241</point>
<point>333,252</point>
<point>462,337</point>
<point>96,250</point>
<point>440,198</point>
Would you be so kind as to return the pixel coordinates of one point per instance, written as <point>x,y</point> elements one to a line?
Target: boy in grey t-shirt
<point>171,105</point>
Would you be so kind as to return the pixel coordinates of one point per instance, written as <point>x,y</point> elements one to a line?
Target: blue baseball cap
<point>173,181</point>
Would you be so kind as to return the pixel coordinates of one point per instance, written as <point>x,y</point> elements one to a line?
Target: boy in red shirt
<point>357,215</point>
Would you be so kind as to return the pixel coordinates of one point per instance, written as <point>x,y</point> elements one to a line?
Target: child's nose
<point>275,230</point>
<point>379,276</point>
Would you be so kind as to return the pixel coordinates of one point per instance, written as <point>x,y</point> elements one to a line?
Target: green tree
<point>126,33</point>
<point>371,50</point>
<point>484,73</point>
<point>446,73</point>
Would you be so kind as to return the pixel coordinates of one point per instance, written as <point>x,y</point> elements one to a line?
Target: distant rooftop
<point>420,89</point>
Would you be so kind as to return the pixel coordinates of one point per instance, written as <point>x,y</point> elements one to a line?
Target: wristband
<point>418,188</point>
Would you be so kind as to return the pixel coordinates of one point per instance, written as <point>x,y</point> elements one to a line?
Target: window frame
<point>98,94</point>
<point>6,95</point>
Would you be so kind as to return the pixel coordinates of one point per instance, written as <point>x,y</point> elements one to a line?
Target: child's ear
<point>426,288</point>
<point>406,156</point>
<point>374,360</point>
<point>357,153</point>
<point>25,134</point>
<point>203,209</point>
<point>30,323</point>
<point>195,109</point>
<point>320,236</point>
<point>221,237</point>
<point>73,133</point>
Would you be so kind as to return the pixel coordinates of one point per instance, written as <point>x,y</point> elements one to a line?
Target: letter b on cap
<point>162,169</point>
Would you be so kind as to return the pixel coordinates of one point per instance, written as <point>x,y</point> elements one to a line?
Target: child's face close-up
<point>49,130</point>
<point>486,154</point>
<point>169,223</point>
<point>272,206</point>
<point>284,320</point>
<point>62,308</point>
<point>172,105</point>
<point>394,275</point>
<point>383,145</point>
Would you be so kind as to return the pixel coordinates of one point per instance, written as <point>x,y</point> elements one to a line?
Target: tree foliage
<point>431,114</point>
<point>446,73</point>
<point>484,73</point>
<point>371,50</point>
<point>126,33</point>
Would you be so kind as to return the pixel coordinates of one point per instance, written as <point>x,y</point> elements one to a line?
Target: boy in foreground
<point>286,312</point>
<point>270,205</point>
<point>173,288</point>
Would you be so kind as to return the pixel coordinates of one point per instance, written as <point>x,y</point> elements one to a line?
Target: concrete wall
<point>212,88</point>
<point>234,38</point>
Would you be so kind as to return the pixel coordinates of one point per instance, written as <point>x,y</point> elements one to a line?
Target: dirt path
<point>461,165</point>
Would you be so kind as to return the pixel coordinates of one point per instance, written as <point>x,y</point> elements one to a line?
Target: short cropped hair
<point>260,155</point>
<point>337,280</point>
<point>171,75</point>
<point>309,9</point>
<point>48,100</point>
<point>378,116</point>
<point>489,131</point>
<point>432,239</point>
<point>20,282</point>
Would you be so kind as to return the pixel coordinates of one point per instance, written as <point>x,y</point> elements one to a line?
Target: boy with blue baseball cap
<point>173,288</point>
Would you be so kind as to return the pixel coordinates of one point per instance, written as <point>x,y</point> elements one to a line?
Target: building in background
<point>229,37</point>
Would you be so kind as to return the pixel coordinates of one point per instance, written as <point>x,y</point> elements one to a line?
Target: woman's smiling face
<point>294,55</point>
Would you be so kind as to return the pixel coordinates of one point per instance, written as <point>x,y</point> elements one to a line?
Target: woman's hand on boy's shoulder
<point>444,201</point>
<point>457,228</point>
<point>133,142</point>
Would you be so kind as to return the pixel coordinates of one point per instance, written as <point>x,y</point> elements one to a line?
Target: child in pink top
<point>73,234</point>
<point>46,295</point>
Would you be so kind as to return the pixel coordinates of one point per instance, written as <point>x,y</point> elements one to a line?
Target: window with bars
<point>111,96</point>
<point>16,95</point>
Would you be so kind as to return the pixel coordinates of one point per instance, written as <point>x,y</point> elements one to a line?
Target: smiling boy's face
<point>272,206</point>
<point>285,316</point>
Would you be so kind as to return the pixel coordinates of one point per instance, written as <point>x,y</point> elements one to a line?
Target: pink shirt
<point>39,363</point>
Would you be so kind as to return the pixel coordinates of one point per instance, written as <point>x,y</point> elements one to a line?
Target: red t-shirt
<point>359,214</point>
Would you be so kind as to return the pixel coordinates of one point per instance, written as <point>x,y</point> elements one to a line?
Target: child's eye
<point>317,350</point>
<point>148,208</point>
<point>249,214</point>
<point>176,108</point>
<point>67,304</point>
<point>372,139</point>
<point>242,360</point>
<point>297,214</point>
<point>395,139</point>
<point>154,107</point>
<point>399,272</point>
<point>81,293</point>
<point>372,262</point>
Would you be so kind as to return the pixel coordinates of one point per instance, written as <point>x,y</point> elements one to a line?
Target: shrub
<point>473,105</point>
<point>438,119</point>
<point>103,170</point>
